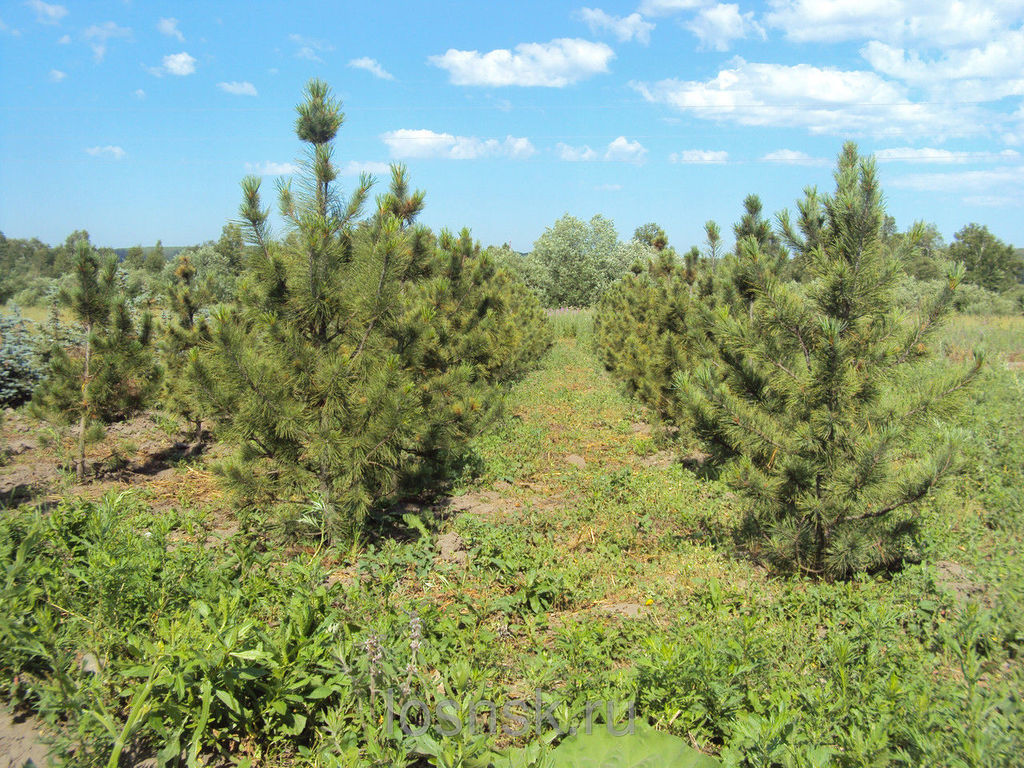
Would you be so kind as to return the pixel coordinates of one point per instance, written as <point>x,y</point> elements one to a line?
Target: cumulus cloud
<point>239,89</point>
<point>310,48</point>
<point>98,35</point>
<point>56,75</point>
<point>619,150</point>
<point>622,150</point>
<point>64,40</point>
<point>624,28</point>
<point>823,100</point>
<point>554,65</point>
<point>699,157</point>
<point>139,93</point>
<point>792,157</point>
<point>989,72</point>
<point>669,7</point>
<point>108,152</point>
<point>47,13</point>
<point>169,27</point>
<point>372,66</point>
<point>422,143</point>
<point>271,168</point>
<point>716,27</point>
<point>179,64</point>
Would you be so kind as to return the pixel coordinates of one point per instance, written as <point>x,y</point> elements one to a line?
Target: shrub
<point>20,367</point>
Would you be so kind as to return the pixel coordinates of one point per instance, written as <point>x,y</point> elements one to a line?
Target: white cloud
<point>935,22</point>
<point>421,143</point>
<point>10,30</point>
<point>372,66</point>
<point>169,27</point>
<point>139,94</point>
<point>792,157</point>
<point>1014,134</point>
<point>109,152</point>
<point>46,13</point>
<point>56,75</point>
<point>699,157</point>
<point>310,48</point>
<point>716,27</point>
<point>355,167</point>
<point>98,35</point>
<point>554,65</point>
<point>179,64</point>
<point>625,28</point>
<point>576,154</point>
<point>930,155</point>
<point>238,89</point>
<point>990,72</point>
<point>620,150</point>
<point>822,100</point>
<point>271,168</point>
<point>669,7</point>
<point>64,40</point>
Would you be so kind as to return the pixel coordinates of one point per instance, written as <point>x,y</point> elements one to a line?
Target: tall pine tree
<point>361,353</point>
<point>113,375</point>
<point>816,399</point>
<point>186,330</point>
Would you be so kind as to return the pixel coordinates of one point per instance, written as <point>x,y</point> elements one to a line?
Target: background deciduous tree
<point>990,262</point>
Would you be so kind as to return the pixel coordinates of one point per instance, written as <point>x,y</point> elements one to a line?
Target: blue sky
<point>137,120</point>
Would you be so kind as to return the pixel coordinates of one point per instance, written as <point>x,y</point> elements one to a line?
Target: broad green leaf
<point>646,748</point>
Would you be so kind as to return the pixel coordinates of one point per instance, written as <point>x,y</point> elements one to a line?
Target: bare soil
<point>22,742</point>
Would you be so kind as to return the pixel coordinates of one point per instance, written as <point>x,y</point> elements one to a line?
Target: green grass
<point>613,578</point>
<point>1001,336</point>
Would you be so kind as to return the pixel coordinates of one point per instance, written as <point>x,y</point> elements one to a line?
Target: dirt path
<point>579,485</point>
<point>21,743</point>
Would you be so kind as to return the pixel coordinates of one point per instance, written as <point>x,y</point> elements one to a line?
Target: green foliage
<point>645,747</point>
<point>20,367</point>
<point>156,260</point>
<point>363,353</point>
<point>574,261</point>
<point>805,395</point>
<point>726,679</point>
<point>113,375</point>
<point>989,261</point>
<point>809,396</point>
<point>969,299</point>
<point>186,331</point>
<point>640,330</point>
<point>125,627</point>
<point>805,236</point>
<point>651,235</point>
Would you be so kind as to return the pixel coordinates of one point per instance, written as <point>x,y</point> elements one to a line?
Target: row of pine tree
<point>360,354</point>
<point>814,399</point>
